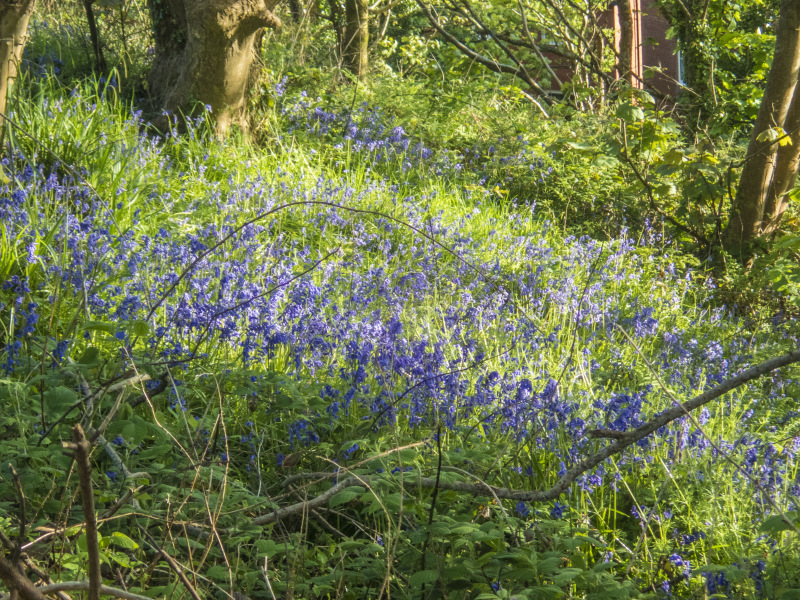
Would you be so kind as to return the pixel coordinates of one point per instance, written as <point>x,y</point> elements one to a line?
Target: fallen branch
<point>26,560</point>
<point>622,441</point>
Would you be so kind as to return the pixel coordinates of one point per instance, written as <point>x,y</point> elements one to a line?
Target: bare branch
<point>489,63</point>
<point>81,448</point>
<point>22,518</point>
<point>173,564</point>
<point>535,46</point>
<point>106,590</point>
<point>17,582</point>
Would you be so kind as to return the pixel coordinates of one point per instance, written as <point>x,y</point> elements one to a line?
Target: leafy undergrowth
<point>247,330</point>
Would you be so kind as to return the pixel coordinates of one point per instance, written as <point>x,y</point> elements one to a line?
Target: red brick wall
<point>653,49</point>
<point>657,51</point>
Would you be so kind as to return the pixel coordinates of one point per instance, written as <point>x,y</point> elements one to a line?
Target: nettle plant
<point>310,380</point>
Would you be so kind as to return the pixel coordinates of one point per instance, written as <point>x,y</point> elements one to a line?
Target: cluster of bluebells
<point>395,330</point>
<point>367,130</point>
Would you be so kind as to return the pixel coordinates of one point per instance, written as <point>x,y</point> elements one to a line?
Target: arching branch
<point>622,440</point>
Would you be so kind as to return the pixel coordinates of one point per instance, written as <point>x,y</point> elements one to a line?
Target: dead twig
<point>81,447</point>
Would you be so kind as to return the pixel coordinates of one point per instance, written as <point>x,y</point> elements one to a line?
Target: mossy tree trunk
<point>690,20</point>
<point>205,50</point>
<point>296,9</point>
<point>355,43</point>
<point>14,17</point>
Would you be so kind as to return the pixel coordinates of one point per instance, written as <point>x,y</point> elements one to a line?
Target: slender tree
<point>94,35</point>
<point>14,17</point>
<point>355,43</point>
<point>628,49</point>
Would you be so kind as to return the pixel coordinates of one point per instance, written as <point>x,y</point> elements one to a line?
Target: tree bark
<point>758,174</point>
<point>296,9</point>
<point>356,37</point>
<point>785,176</point>
<point>14,17</point>
<point>627,47</point>
<point>205,50</point>
<point>94,36</point>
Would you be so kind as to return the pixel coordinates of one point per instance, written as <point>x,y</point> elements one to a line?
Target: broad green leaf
<point>566,575</point>
<point>629,113</point>
<point>421,577</point>
<point>345,496</point>
<point>60,398</point>
<point>120,539</point>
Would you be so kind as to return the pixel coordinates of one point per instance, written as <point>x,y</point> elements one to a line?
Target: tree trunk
<point>785,176</point>
<point>692,35</point>
<point>296,9</point>
<point>689,19</point>
<point>205,50</point>
<point>14,17</point>
<point>356,37</point>
<point>627,44</point>
<point>94,36</point>
<point>758,174</point>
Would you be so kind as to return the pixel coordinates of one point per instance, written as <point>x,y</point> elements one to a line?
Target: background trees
<point>576,52</point>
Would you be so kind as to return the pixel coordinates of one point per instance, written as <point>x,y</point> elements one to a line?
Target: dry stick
<point>26,560</point>
<point>173,564</point>
<point>81,448</point>
<point>622,441</point>
<point>699,427</point>
<point>266,578</point>
<point>22,518</point>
